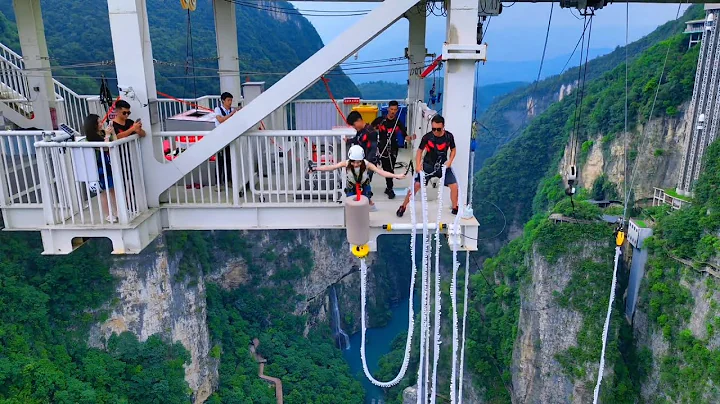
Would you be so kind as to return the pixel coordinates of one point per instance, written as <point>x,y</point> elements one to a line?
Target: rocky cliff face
<point>545,330</point>
<point>657,148</point>
<point>153,299</point>
<point>149,301</point>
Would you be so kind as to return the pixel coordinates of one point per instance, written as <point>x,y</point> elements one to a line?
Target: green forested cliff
<point>511,178</point>
<point>78,31</point>
<point>47,305</point>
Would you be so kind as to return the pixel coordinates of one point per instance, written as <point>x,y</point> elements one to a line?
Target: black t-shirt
<point>388,130</point>
<point>367,138</point>
<point>122,128</point>
<point>437,148</point>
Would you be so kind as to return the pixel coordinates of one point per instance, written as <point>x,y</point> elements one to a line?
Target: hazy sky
<point>516,35</point>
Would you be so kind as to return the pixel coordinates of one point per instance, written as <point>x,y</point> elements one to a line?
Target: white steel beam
<point>132,49</point>
<point>459,85</point>
<point>416,56</point>
<point>161,176</point>
<point>227,47</point>
<point>31,32</point>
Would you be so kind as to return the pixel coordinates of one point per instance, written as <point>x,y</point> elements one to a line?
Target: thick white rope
<point>421,389</point>
<point>465,306</point>
<point>607,325</point>
<point>438,296</point>
<point>453,300</point>
<point>411,312</point>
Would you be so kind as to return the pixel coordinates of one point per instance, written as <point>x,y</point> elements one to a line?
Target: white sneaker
<point>373,208</point>
<point>111,219</point>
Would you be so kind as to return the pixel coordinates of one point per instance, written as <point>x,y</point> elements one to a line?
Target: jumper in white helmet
<point>358,171</point>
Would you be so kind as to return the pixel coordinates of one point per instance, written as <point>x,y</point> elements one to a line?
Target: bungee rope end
<point>360,251</point>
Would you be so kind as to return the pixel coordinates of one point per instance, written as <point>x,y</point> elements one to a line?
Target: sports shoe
<point>373,208</point>
<point>390,193</point>
<point>400,212</point>
<point>111,219</point>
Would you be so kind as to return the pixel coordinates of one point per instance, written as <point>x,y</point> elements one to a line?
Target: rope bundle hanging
<point>189,5</point>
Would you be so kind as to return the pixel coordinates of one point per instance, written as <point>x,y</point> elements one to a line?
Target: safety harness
<point>358,182</point>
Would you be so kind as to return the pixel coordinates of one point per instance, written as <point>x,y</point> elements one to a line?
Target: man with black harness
<point>391,135</point>
<point>366,137</point>
<point>439,148</point>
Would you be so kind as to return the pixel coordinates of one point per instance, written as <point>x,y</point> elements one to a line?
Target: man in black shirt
<point>389,128</point>
<point>439,148</point>
<point>366,136</point>
<point>124,126</point>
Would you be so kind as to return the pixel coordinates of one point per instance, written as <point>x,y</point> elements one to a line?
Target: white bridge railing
<point>19,172</point>
<point>261,167</point>
<point>91,183</point>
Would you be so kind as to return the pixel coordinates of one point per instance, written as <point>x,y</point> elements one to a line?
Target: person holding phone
<point>122,125</point>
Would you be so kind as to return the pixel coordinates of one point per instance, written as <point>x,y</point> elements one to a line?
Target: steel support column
<point>459,82</point>
<point>31,32</point>
<point>132,49</point>
<point>416,52</point>
<point>227,47</point>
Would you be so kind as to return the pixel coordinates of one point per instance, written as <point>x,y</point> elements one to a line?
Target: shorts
<point>366,191</point>
<point>102,176</point>
<point>449,175</point>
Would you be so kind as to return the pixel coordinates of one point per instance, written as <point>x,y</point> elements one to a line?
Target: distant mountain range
<point>495,72</point>
<point>383,90</point>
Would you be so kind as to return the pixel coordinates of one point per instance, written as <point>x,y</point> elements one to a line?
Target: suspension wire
<point>644,130</point>
<point>294,11</point>
<point>627,135</point>
<point>628,190</point>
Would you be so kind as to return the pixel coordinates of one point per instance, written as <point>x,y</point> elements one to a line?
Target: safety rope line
<point>423,294</point>
<point>325,81</point>
<point>438,296</point>
<point>192,104</point>
<point>453,301</point>
<point>607,325</point>
<point>411,312</point>
<point>628,191</point>
<point>464,322</point>
<point>109,111</point>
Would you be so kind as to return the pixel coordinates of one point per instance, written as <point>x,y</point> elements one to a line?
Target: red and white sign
<point>351,100</point>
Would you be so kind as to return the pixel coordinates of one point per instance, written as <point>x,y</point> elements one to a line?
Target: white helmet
<point>356,153</point>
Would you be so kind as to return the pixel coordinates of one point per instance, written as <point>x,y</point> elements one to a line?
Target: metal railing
<point>19,172</point>
<point>15,90</point>
<point>260,167</point>
<point>72,108</point>
<point>168,107</point>
<point>91,183</point>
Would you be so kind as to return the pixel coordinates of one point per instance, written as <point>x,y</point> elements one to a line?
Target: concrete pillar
<point>416,52</point>
<point>136,74</point>
<point>459,84</point>
<point>227,47</point>
<point>31,32</point>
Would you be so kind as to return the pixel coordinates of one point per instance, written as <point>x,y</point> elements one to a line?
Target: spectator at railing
<point>223,112</point>
<point>94,132</point>
<point>122,124</point>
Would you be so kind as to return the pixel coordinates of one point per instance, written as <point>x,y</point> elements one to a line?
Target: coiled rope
<point>411,312</point>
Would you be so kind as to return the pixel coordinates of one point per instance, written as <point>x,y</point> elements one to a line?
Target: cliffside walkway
<point>706,267</point>
<point>274,380</point>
